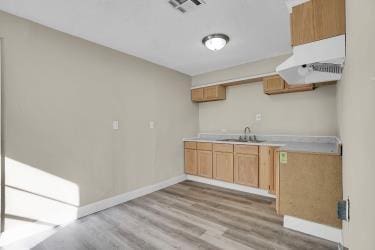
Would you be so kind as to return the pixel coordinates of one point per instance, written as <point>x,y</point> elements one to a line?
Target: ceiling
<point>154,31</point>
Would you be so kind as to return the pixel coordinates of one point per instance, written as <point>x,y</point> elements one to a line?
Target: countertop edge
<point>280,146</point>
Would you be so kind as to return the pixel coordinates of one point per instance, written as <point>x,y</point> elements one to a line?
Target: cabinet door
<point>246,169</point>
<point>329,18</point>
<point>204,163</point>
<point>302,24</point>
<point>223,166</point>
<point>214,93</point>
<point>266,168</point>
<point>191,161</point>
<point>273,83</point>
<point>197,95</point>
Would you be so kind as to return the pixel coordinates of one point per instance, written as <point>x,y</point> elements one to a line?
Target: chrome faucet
<point>245,137</point>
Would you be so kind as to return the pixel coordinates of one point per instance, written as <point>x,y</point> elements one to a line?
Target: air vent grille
<point>186,5</point>
<point>327,67</point>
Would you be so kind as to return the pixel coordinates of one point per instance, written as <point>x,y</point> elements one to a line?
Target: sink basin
<point>241,140</point>
<point>232,140</point>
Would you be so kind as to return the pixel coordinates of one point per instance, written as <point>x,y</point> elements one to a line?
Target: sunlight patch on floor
<point>35,201</point>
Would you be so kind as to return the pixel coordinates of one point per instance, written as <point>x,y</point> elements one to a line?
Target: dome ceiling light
<point>215,42</point>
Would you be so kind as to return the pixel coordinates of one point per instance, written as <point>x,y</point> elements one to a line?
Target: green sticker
<point>283,157</point>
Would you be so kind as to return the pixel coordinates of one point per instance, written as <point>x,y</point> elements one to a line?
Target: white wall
<point>244,70</point>
<point>305,113</point>
<point>356,112</point>
<point>62,94</point>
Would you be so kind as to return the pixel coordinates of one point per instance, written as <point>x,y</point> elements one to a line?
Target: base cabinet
<point>310,187</point>
<point>204,163</point>
<point>191,161</point>
<point>246,169</point>
<point>223,166</point>
<point>248,165</point>
<point>266,168</point>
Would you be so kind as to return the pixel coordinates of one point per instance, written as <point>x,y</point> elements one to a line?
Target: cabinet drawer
<point>190,145</point>
<point>246,149</point>
<point>220,147</point>
<point>204,146</point>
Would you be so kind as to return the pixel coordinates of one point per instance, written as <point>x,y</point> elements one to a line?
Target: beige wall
<point>62,94</point>
<point>305,113</point>
<point>244,70</point>
<point>356,112</point>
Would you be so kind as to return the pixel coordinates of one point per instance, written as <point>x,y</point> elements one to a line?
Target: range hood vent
<point>186,5</point>
<point>327,67</point>
<point>320,61</point>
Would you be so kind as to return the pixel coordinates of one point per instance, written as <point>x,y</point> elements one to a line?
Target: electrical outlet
<point>343,209</point>
<point>258,117</point>
<point>115,125</point>
<point>152,124</point>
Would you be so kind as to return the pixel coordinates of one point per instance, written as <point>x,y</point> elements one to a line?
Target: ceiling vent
<point>186,5</point>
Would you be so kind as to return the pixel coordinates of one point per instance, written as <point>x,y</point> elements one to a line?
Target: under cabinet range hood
<point>320,61</point>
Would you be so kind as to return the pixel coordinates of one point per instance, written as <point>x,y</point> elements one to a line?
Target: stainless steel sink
<point>242,140</point>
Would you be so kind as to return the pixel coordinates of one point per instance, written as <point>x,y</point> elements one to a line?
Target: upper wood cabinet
<point>302,24</point>
<point>197,95</point>
<point>273,84</point>
<point>316,20</point>
<point>207,94</point>
<point>276,85</point>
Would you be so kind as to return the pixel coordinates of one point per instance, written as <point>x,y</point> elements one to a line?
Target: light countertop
<point>290,143</point>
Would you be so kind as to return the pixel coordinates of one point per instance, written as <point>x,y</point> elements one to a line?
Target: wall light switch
<point>152,124</point>
<point>258,117</point>
<point>115,125</point>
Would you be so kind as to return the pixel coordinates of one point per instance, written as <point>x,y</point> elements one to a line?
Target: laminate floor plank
<point>188,215</point>
<point>248,210</point>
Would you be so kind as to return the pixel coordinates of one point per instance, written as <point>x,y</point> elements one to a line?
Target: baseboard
<point>312,228</point>
<point>115,200</point>
<point>230,186</point>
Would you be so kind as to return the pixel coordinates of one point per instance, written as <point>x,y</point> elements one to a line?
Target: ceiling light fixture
<point>215,41</point>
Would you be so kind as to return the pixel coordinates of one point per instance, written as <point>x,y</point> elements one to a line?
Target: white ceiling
<point>154,31</point>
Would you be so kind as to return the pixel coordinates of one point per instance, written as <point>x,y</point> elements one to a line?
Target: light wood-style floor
<point>188,215</point>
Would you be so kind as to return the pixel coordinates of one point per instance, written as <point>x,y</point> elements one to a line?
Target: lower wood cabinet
<point>248,165</point>
<point>266,168</point>
<point>191,161</point>
<point>310,186</point>
<point>246,169</point>
<point>223,166</point>
<point>204,163</point>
